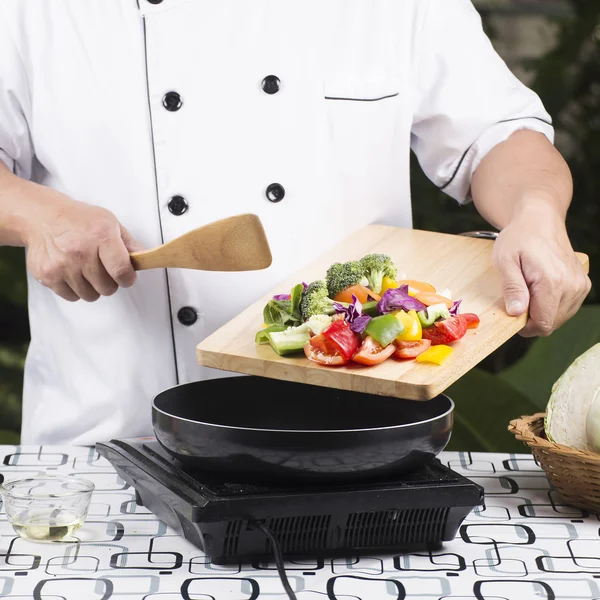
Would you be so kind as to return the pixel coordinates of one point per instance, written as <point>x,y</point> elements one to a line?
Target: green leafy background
<point>516,379</point>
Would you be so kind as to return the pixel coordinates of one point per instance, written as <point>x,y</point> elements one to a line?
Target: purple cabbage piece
<point>454,310</point>
<point>353,315</point>
<point>398,299</point>
<point>287,296</point>
<point>351,312</point>
<point>360,324</point>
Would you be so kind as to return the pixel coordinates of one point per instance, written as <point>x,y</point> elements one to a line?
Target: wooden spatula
<point>237,243</point>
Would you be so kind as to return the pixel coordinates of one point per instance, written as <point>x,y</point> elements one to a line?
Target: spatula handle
<point>148,259</point>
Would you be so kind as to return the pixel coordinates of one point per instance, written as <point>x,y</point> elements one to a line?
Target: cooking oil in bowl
<point>47,508</point>
<point>46,526</point>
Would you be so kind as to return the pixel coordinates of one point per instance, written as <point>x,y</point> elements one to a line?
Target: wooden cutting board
<point>461,264</point>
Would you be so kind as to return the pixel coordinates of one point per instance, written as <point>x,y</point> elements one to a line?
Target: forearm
<point>15,208</point>
<point>524,174</point>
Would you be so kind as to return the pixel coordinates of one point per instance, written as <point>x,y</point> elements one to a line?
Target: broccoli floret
<point>315,300</point>
<point>377,266</point>
<point>343,275</point>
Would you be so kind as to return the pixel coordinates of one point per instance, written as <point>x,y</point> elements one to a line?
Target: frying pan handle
<point>486,235</point>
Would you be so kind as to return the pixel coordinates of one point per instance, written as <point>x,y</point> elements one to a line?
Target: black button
<point>155,1</point>
<point>172,101</point>
<point>275,192</point>
<point>178,205</point>
<point>187,316</point>
<point>270,84</point>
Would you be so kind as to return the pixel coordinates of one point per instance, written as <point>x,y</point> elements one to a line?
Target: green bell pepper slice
<point>370,308</point>
<point>262,336</point>
<point>384,329</point>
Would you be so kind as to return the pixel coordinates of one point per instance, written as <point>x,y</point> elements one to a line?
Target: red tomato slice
<point>430,298</point>
<point>372,352</point>
<point>472,320</point>
<point>322,344</point>
<point>446,331</point>
<point>320,351</point>
<point>410,349</point>
<point>339,335</point>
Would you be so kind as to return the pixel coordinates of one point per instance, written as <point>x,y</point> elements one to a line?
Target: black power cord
<point>279,562</point>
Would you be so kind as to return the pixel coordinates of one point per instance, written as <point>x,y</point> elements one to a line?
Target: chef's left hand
<point>540,270</point>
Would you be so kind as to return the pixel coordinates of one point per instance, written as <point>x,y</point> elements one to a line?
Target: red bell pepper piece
<point>342,337</point>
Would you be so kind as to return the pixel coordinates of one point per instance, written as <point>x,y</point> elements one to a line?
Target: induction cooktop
<point>227,520</point>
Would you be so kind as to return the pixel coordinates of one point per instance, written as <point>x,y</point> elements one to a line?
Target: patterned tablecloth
<point>524,544</point>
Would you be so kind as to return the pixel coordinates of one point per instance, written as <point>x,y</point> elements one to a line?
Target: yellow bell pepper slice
<point>388,283</point>
<point>413,331</point>
<point>435,354</point>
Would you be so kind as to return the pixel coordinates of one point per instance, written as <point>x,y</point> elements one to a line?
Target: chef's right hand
<point>77,250</point>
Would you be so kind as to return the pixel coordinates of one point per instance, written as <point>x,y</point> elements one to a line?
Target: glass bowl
<point>47,508</point>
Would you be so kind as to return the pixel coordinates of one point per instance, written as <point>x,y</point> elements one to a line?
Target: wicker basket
<point>574,473</point>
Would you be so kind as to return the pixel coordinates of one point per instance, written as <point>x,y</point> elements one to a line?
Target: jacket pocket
<point>366,123</point>
<point>361,90</point>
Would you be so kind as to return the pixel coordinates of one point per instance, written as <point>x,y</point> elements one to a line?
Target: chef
<point>126,123</point>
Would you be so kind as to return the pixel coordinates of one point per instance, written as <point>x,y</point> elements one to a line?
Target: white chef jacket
<point>176,113</point>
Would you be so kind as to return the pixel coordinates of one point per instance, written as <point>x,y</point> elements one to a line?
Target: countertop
<point>523,544</point>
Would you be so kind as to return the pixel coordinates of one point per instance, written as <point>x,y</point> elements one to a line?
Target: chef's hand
<point>540,270</point>
<point>77,250</point>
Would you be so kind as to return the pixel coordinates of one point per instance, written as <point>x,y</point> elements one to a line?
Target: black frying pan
<point>258,429</point>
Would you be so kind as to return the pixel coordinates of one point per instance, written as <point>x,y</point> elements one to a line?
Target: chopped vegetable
<point>360,324</point>
<point>446,331</point>
<point>412,325</point>
<point>261,336</point>
<point>317,323</point>
<point>455,307</point>
<point>290,340</point>
<point>341,276</point>
<point>350,311</point>
<point>296,298</point>
<point>388,283</point>
<point>372,352</point>
<point>353,313</point>
<point>315,300</point>
<point>398,299</point>
<point>375,268</point>
<point>321,351</point>
<point>285,312</point>
<point>362,312</point>
<point>342,338</point>
<point>278,312</point>
<point>384,329</point>
<point>431,298</point>
<point>436,354</point>
<point>431,314</point>
<point>360,291</point>
<point>414,287</point>
<point>370,308</point>
<point>472,320</point>
<point>287,296</point>
<point>410,349</point>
